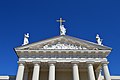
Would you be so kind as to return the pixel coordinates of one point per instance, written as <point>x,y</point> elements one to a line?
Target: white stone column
<point>51,70</point>
<point>36,71</point>
<point>75,71</point>
<point>20,72</point>
<point>106,71</point>
<point>90,70</point>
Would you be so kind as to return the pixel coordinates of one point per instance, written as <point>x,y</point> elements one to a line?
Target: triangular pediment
<point>63,43</point>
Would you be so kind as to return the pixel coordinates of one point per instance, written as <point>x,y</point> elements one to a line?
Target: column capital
<point>51,62</point>
<point>105,62</point>
<point>36,62</point>
<point>21,62</point>
<point>90,62</point>
<point>74,62</point>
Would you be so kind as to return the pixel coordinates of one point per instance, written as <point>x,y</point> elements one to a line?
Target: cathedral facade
<point>62,58</point>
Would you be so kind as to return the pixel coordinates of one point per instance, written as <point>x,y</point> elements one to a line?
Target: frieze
<point>60,45</point>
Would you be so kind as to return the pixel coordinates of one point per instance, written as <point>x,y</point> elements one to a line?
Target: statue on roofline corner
<point>99,40</point>
<point>26,41</point>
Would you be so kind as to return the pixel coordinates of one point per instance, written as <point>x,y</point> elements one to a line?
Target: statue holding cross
<point>62,28</point>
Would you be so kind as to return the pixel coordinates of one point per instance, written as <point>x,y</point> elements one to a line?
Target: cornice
<point>80,51</point>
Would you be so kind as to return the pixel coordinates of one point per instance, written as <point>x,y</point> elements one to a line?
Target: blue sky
<point>84,19</point>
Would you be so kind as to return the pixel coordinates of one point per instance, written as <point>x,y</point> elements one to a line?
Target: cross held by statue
<point>61,21</point>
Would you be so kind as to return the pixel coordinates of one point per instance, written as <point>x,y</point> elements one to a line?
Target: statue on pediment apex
<point>62,30</point>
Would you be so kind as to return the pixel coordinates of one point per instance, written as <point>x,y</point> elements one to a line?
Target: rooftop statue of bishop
<point>26,41</point>
<point>62,28</point>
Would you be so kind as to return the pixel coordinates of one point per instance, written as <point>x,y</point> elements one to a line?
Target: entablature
<point>63,59</point>
<point>62,64</point>
<point>63,53</point>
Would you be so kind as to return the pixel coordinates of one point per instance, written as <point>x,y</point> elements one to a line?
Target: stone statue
<point>26,36</point>
<point>99,41</point>
<point>62,30</point>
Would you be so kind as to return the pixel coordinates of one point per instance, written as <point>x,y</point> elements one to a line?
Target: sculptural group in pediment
<point>60,45</point>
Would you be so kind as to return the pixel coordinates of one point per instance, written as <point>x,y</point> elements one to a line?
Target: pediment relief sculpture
<point>60,45</point>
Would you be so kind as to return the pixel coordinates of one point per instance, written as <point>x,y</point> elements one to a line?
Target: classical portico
<point>62,58</point>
